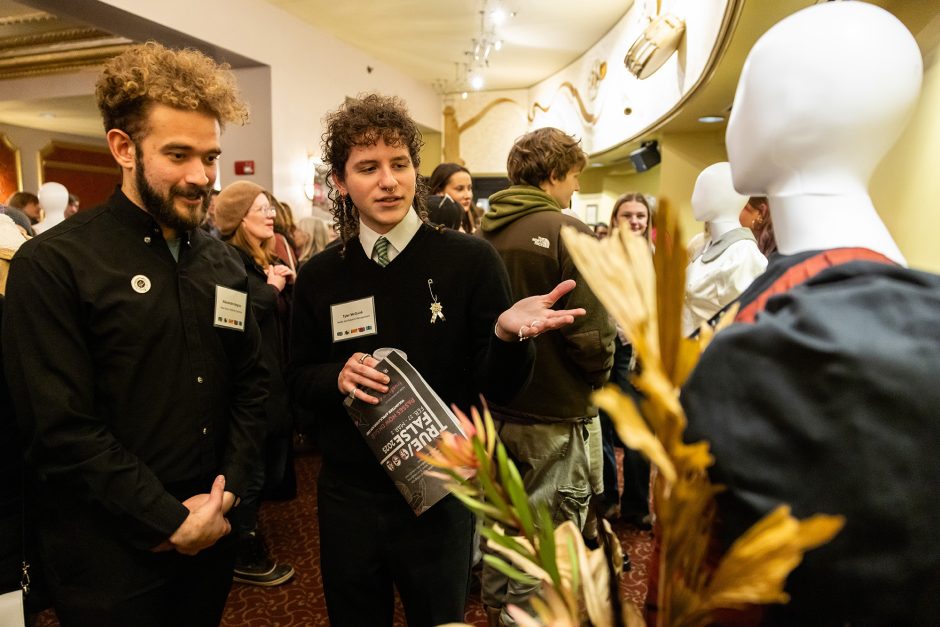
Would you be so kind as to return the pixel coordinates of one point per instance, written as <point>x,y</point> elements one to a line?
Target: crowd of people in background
<point>284,262</point>
<point>163,349</point>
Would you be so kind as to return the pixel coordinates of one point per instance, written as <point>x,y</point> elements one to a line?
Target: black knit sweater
<point>460,357</point>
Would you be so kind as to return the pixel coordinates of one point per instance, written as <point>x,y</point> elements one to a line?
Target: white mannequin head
<point>715,201</point>
<point>822,97</point>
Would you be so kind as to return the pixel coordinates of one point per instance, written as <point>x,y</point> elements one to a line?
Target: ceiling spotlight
<point>498,45</point>
<point>464,95</point>
<point>498,16</point>
<point>711,119</point>
<point>476,81</point>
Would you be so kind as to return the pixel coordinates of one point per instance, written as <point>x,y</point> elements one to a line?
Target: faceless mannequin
<point>808,134</point>
<point>730,259</point>
<point>822,395</point>
<point>715,201</point>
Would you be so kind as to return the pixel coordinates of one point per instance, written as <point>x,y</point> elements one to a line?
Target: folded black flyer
<point>409,418</point>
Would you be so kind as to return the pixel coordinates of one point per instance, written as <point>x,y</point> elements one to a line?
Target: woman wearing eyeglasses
<point>245,218</point>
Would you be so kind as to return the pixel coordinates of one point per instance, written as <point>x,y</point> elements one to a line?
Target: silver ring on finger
<point>363,358</point>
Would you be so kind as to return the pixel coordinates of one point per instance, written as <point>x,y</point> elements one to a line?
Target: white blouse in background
<point>718,275</point>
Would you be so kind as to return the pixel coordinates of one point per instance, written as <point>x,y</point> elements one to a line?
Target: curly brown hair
<point>363,121</point>
<point>151,73</point>
<point>546,152</point>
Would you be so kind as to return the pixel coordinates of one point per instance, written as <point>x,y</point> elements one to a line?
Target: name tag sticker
<point>353,319</point>
<point>230,308</point>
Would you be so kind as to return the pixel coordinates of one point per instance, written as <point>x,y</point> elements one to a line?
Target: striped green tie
<point>381,251</point>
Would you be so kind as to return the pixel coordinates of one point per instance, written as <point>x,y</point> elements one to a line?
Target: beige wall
<point>485,145</point>
<point>684,156</point>
<point>906,186</point>
<point>431,152</point>
<point>612,181</point>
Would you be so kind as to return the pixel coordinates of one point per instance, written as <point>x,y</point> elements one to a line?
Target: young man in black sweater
<point>443,298</point>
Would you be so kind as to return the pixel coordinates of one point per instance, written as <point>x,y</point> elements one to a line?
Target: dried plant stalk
<point>644,294</point>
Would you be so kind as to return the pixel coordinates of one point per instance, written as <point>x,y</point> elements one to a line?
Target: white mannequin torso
<point>722,271</point>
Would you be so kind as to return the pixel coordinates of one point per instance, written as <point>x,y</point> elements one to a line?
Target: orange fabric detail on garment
<point>804,271</point>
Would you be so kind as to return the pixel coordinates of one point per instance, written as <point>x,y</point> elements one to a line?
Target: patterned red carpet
<point>292,534</point>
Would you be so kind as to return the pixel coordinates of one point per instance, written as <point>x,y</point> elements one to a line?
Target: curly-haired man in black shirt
<point>132,359</point>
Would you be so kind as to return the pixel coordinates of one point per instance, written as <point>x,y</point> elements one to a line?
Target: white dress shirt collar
<point>398,237</point>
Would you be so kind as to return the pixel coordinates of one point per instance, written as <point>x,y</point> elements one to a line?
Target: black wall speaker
<point>646,157</point>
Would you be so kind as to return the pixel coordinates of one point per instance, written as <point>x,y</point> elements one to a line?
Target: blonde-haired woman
<point>315,236</point>
<point>631,211</point>
<point>245,218</point>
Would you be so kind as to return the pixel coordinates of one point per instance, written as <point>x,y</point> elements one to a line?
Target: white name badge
<point>230,308</point>
<point>353,319</point>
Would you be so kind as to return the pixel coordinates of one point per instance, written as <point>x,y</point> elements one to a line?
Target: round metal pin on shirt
<point>141,284</point>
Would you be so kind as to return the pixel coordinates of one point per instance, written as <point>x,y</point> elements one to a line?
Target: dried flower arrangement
<point>643,292</point>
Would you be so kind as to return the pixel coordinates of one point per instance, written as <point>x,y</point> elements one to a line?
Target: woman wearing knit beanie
<point>245,220</point>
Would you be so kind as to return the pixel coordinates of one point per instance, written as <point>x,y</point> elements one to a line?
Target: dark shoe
<point>274,576</point>
<point>254,566</point>
<point>611,512</point>
<point>639,521</point>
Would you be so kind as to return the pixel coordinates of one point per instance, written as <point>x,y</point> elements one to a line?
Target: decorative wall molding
<point>38,43</point>
<point>53,62</point>
<point>453,128</point>
<point>79,167</point>
<point>56,145</point>
<point>27,18</point>
<point>588,117</point>
<point>479,116</point>
<point>65,35</point>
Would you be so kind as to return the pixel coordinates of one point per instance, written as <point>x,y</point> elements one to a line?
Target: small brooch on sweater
<point>437,309</point>
<point>540,241</point>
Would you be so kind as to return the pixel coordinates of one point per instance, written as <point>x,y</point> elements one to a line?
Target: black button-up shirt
<point>129,397</point>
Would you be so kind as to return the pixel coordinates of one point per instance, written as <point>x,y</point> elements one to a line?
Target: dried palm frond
<point>644,293</point>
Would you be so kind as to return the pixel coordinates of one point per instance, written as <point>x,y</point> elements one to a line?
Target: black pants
<point>371,543</point>
<point>634,503</point>
<point>276,457</point>
<point>96,578</point>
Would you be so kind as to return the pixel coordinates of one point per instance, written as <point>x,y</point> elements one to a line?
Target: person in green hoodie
<point>551,429</point>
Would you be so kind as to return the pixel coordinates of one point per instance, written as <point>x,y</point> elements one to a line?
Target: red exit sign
<point>244,167</point>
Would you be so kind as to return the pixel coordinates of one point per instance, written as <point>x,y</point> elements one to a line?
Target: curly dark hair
<point>151,73</point>
<point>546,152</point>
<point>363,121</point>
